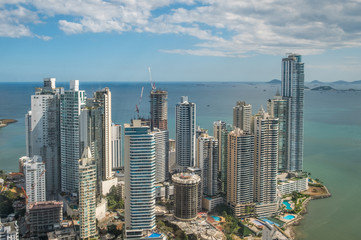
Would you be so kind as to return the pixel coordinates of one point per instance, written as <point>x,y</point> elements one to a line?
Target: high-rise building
<point>43,132</point>
<point>186,195</point>
<point>87,195</point>
<point>266,163</point>
<point>242,116</point>
<point>44,217</point>
<point>139,166</point>
<point>207,158</point>
<point>159,109</point>
<point>34,171</point>
<point>292,88</point>
<point>240,169</point>
<point>278,108</point>
<point>220,132</point>
<point>117,160</point>
<point>186,133</point>
<point>161,155</point>
<point>172,155</point>
<point>104,98</point>
<point>71,102</point>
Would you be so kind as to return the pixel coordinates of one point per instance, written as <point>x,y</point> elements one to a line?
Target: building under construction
<point>186,195</point>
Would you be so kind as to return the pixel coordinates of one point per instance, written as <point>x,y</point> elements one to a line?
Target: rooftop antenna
<point>152,84</point>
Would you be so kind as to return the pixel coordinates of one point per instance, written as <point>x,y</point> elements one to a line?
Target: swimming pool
<point>287,204</point>
<point>216,218</point>
<point>154,235</point>
<point>270,222</point>
<point>289,217</point>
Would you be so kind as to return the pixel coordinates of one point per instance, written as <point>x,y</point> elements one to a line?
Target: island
<point>5,122</point>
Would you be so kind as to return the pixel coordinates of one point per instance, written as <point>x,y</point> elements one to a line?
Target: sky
<point>181,40</point>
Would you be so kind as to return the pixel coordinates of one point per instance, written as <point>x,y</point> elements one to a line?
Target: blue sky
<point>181,40</point>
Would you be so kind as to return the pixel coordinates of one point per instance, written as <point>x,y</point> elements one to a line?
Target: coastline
<point>5,122</point>
<point>290,230</point>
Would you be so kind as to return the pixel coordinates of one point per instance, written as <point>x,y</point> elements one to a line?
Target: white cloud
<point>223,27</point>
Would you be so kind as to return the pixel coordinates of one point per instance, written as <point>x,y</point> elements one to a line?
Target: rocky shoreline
<point>290,231</point>
<point>5,122</point>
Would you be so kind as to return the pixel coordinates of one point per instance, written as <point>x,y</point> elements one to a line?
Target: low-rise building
<point>43,217</point>
<point>289,185</point>
<point>9,230</point>
<point>63,234</point>
<point>209,203</point>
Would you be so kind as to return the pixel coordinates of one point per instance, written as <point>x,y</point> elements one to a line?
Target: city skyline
<point>181,40</point>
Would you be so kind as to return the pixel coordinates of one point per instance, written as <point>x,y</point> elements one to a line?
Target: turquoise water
<point>332,138</point>
<point>270,222</point>
<point>289,217</point>
<point>287,204</point>
<point>154,235</point>
<point>216,218</point>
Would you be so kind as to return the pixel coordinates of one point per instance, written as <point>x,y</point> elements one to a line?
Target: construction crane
<point>32,187</point>
<point>137,106</point>
<point>152,84</point>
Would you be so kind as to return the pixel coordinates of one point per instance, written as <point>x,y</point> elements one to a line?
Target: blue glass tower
<point>139,163</point>
<point>292,89</point>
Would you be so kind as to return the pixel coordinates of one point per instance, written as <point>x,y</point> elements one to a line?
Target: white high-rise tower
<point>43,132</point>
<point>186,133</point>
<point>70,105</point>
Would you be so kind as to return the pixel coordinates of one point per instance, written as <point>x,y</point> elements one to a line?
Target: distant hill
<point>316,82</point>
<point>323,88</point>
<point>339,82</point>
<point>274,81</point>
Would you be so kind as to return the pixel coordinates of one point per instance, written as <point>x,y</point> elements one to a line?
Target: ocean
<point>332,137</point>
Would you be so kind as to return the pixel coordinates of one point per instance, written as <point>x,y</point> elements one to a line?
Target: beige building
<point>87,195</point>
<point>240,173</point>
<point>266,163</point>
<point>242,116</point>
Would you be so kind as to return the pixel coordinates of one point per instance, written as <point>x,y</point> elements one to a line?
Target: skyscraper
<point>220,132</point>
<point>186,133</point>
<point>34,171</point>
<point>117,160</point>
<point>104,98</point>
<point>207,158</point>
<point>159,109</point>
<point>71,102</point>
<point>292,88</point>
<point>186,190</point>
<point>43,132</point>
<point>278,108</point>
<point>242,115</point>
<point>240,169</point>
<point>161,154</point>
<point>139,166</point>
<point>266,163</point>
<point>87,195</point>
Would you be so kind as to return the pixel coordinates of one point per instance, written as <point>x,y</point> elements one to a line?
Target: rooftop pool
<point>216,218</point>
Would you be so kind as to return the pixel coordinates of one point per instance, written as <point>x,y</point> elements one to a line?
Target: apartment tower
<point>266,163</point>
<point>87,195</point>
<point>207,158</point>
<point>43,132</point>
<point>35,175</point>
<point>240,173</point>
<point>242,116</point>
<point>71,102</point>
<point>292,88</point>
<point>240,169</point>
<point>186,133</point>
<point>140,170</point>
